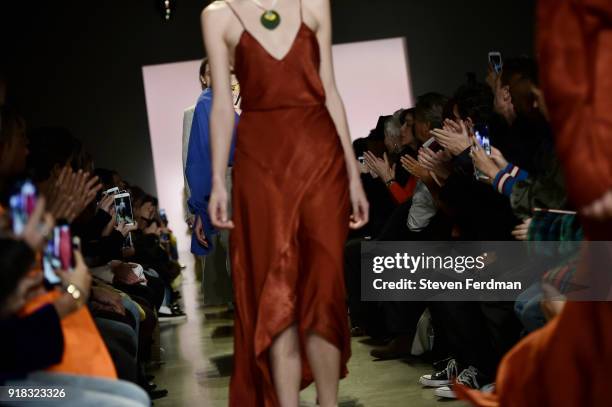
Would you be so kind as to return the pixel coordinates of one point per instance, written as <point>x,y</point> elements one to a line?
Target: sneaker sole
<point>445,393</point>
<point>434,383</point>
<point>172,321</point>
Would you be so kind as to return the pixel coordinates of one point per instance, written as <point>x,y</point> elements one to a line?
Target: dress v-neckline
<point>292,45</point>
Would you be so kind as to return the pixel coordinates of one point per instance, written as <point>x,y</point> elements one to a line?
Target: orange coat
<point>84,350</point>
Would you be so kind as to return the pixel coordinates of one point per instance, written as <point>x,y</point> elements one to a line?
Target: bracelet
<point>391,181</point>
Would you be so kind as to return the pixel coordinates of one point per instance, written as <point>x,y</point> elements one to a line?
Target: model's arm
<point>321,10</point>
<point>214,21</point>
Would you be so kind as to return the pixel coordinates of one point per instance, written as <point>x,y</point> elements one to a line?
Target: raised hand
<point>379,166</point>
<point>106,203</point>
<point>125,228</point>
<point>498,158</point>
<point>80,276</point>
<point>435,162</point>
<point>39,226</point>
<point>484,163</point>
<point>59,201</point>
<point>454,136</point>
<point>71,192</point>
<point>414,167</point>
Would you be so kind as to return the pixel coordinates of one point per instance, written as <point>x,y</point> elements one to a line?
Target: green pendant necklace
<point>270,18</point>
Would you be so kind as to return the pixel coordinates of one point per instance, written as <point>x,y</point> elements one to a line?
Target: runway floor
<point>197,356</point>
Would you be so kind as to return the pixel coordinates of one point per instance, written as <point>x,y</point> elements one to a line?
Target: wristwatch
<point>391,181</point>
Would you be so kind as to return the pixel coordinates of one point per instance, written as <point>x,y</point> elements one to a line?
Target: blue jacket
<point>198,169</point>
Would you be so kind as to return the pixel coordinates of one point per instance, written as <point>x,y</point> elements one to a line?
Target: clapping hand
<point>414,167</point>
<point>71,192</point>
<point>380,166</point>
<point>435,162</point>
<point>454,136</point>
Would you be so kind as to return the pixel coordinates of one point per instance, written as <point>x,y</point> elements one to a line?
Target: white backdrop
<point>372,77</point>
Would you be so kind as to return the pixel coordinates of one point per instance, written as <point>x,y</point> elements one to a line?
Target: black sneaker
<point>470,377</point>
<point>447,371</point>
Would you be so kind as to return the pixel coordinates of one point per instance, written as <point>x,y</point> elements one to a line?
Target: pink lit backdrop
<point>372,77</point>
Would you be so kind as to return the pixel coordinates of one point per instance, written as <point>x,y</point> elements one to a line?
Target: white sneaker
<point>445,392</point>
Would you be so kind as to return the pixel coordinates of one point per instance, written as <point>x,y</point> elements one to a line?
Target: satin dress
<point>291,212</point>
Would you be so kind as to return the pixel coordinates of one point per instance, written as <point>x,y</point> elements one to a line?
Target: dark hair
<point>140,197</point>
<point>474,100</point>
<point>10,123</point>
<point>50,147</point>
<point>519,68</point>
<point>402,116</point>
<point>520,75</point>
<point>204,66</point>
<point>106,177</point>
<point>16,259</point>
<point>429,108</point>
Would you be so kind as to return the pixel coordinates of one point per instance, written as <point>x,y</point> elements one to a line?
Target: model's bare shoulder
<point>316,11</point>
<point>216,9</point>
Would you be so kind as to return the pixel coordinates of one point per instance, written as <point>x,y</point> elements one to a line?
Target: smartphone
<point>123,207</point>
<point>111,191</point>
<point>128,242</point>
<point>496,62</point>
<point>165,236</point>
<point>22,204</point>
<point>433,145</point>
<point>482,136</point>
<point>58,254</point>
<point>163,216</point>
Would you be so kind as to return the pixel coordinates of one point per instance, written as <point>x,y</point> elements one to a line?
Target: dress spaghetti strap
<point>301,14</point>
<point>236,13</point>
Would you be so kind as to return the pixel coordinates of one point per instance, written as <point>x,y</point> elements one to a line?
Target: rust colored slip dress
<point>291,211</point>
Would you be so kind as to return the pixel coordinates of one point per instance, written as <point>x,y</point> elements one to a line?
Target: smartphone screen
<point>482,136</point>
<point>495,60</point>
<point>433,145</point>
<point>123,207</point>
<point>58,254</point>
<point>163,216</point>
<point>22,205</point>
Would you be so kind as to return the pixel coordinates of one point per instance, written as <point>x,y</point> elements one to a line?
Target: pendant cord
<point>261,6</point>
